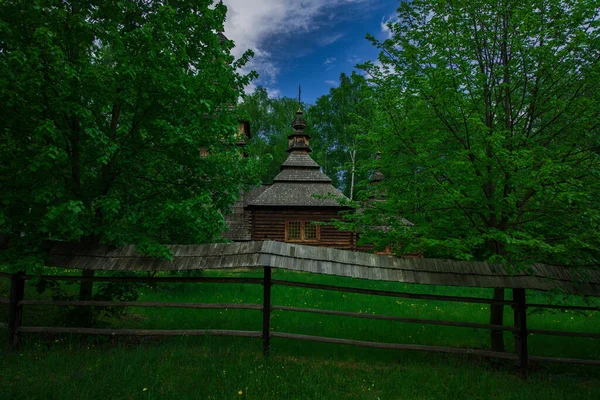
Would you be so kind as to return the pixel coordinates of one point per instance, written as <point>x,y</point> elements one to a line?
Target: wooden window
<point>310,231</point>
<point>294,230</point>
<point>301,231</point>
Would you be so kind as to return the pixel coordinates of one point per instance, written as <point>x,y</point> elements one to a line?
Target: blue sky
<point>307,42</point>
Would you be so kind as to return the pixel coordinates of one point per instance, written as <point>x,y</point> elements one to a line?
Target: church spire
<point>299,141</point>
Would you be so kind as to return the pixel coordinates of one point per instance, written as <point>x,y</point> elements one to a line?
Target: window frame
<point>302,236</point>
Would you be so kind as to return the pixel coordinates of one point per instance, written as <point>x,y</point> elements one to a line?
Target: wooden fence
<point>519,304</point>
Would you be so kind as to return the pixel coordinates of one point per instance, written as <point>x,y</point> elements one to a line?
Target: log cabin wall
<point>270,224</point>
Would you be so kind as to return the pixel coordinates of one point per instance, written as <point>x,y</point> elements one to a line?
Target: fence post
<point>266,330</point>
<point>520,335</point>
<point>15,310</point>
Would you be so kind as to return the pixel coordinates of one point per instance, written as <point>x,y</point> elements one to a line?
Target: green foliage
<point>336,124</point>
<point>487,117</point>
<point>271,122</point>
<point>89,316</point>
<point>340,119</point>
<point>105,106</point>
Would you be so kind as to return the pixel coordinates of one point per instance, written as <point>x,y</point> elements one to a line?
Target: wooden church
<point>286,210</point>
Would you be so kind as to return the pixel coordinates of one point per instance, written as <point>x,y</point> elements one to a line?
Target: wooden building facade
<point>290,209</point>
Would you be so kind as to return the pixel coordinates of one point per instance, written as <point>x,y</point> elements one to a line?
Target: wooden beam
<point>564,333</point>
<point>394,294</point>
<point>557,307</point>
<point>395,346</point>
<point>219,306</point>
<point>140,332</point>
<point>565,360</point>
<point>394,318</point>
<point>145,279</point>
<point>520,335</point>
<point>266,328</point>
<point>15,310</point>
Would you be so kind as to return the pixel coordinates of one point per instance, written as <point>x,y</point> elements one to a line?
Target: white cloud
<point>251,22</point>
<point>385,28</point>
<point>330,60</point>
<point>329,39</point>
<point>354,59</point>
<point>273,93</point>
<point>331,83</point>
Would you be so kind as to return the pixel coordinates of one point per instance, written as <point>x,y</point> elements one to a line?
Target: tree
<point>105,107</point>
<point>489,128</point>
<point>340,118</point>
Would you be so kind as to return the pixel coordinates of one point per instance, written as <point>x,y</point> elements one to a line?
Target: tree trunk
<point>497,318</point>
<point>353,158</point>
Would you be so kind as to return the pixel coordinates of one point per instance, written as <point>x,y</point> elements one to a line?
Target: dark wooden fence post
<point>266,330</point>
<point>520,320</point>
<point>17,291</point>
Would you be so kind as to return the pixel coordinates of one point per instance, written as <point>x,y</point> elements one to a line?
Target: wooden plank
<point>520,322</point>
<point>146,279</point>
<point>5,275</point>
<point>395,346</point>
<point>310,258</point>
<point>15,310</point>
<point>266,327</point>
<point>393,294</point>
<point>216,306</point>
<point>140,332</point>
<point>558,307</point>
<point>4,301</point>
<point>394,318</point>
<point>564,333</point>
<point>565,360</point>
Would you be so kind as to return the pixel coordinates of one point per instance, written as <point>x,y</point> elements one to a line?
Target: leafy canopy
<point>488,121</point>
<point>105,107</point>
<point>271,120</point>
<point>339,119</point>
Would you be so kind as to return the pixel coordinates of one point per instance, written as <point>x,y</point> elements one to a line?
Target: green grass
<point>65,367</point>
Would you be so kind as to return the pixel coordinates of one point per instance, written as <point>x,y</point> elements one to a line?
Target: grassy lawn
<point>65,367</point>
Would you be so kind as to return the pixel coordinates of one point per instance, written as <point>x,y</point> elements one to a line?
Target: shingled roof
<point>238,220</point>
<point>300,182</point>
<point>330,262</point>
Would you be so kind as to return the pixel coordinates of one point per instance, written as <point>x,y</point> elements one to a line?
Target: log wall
<point>269,224</point>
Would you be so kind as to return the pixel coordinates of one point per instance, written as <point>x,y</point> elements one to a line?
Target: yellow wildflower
<point>240,392</point>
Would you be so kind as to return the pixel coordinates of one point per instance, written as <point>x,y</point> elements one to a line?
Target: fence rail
<point>218,306</point>
<point>141,332</point>
<point>417,296</point>
<point>520,330</point>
